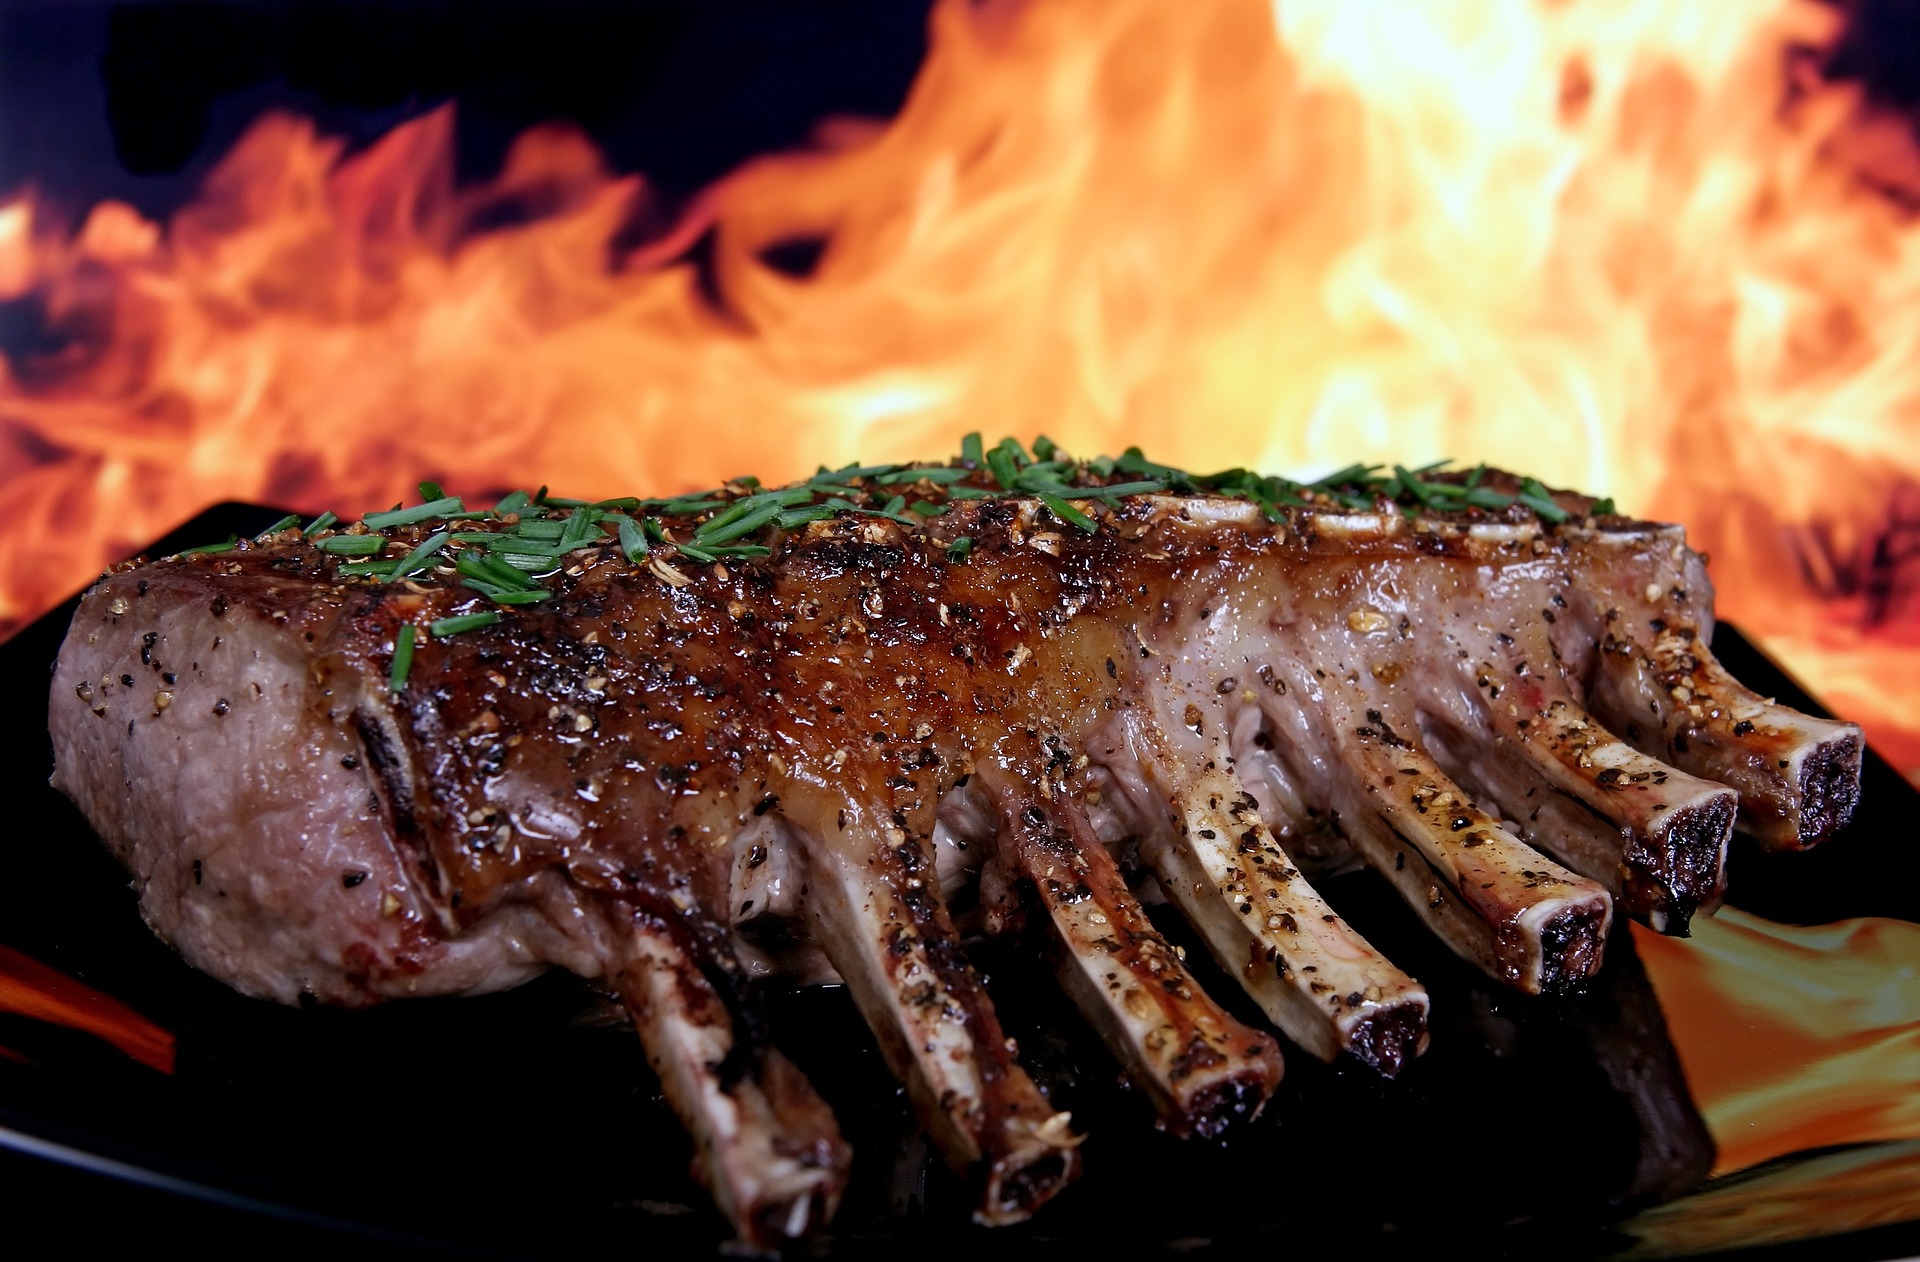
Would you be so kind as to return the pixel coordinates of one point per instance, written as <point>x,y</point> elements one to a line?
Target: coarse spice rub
<point>708,743</point>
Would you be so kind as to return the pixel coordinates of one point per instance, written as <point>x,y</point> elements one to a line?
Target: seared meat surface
<point>617,739</point>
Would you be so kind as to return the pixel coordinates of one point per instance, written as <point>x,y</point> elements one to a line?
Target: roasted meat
<point>698,746</point>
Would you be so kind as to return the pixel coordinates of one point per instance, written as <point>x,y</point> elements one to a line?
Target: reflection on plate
<point>528,1122</point>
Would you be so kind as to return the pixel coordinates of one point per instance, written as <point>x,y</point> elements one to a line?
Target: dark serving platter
<point>527,1123</point>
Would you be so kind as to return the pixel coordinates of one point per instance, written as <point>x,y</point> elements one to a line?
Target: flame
<point>1793,1038</point>
<point>1637,247</point>
<point>30,989</point>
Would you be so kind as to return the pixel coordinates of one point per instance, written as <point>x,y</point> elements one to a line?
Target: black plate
<point>524,1123</point>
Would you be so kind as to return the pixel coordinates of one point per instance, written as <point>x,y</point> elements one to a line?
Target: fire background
<point>135,101</point>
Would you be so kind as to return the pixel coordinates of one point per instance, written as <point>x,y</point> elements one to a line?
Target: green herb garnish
<point>420,557</point>
<point>418,513</point>
<point>402,658</point>
<point>464,622</point>
<point>1068,513</point>
<point>353,545</point>
<point>204,549</point>
<point>633,540</point>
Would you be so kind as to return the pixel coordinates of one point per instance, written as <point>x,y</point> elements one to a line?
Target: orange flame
<point>31,989</point>
<point>1793,1038</point>
<point>1631,246</point>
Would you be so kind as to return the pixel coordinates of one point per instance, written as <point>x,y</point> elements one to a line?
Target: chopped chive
<point>431,491</point>
<point>735,529</point>
<point>464,622</point>
<point>512,502</point>
<point>357,569</point>
<point>633,540</point>
<point>353,545</point>
<point>579,529</point>
<point>420,557</point>
<point>539,529</point>
<point>1473,479</point>
<point>685,507</point>
<point>1535,496</point>
<point>418,513</point>
<point>1441,463</point>
<point>970,451</point>
<point>555,501</point>
<point>1411,486</point>
<point>655,531</point>
<point>760,508</point>
<point>937,474</point>
<point>208,548</point>
<point>1131,461</point>
<point>926,508</point>
<point>801,516</point>
<point>529,562</point>
<point>1044,447</point>
<point>620,503</point>
<point>1038,484</point>
<point>529,547</point>
<point>474,536</point>
<point>505,595</point>
<point>491,571</point>
<point>1000,461</point>
<point>1149,487</point>
<point>1342,477</point>
<point>320,523</point>
<point>1068,513</point>
<point>1603,508</point>
<point>741,550</point>
<point>968,493</point>
<point>1487,497</point>
<point>402,658</point>
<point>291,519</point>
<point>695,551</point>
<point>957,550</point>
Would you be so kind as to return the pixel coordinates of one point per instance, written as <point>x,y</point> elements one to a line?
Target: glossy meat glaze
<point>682,776</point>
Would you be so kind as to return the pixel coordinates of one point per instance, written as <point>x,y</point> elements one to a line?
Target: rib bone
<point>1491,897</point>
<point>1655,836</point>
<point>764,1143</point>
<point>1646,600</point>
<point>1322,983</point>
<point>1201,1067</point>
<point>1798,777</point>
<point>874,909</point>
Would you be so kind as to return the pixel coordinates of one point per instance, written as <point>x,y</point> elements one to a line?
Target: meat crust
<point>670,762</point>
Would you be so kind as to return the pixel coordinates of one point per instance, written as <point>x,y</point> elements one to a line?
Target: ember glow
<point>1637,248</point>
